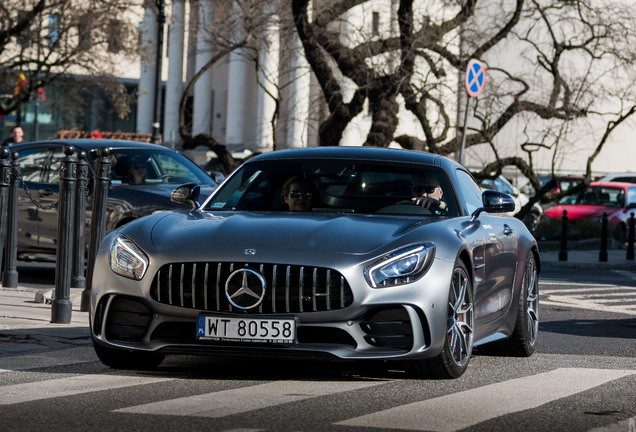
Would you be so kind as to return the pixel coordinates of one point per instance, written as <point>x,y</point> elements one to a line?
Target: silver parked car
<point>379,265</point>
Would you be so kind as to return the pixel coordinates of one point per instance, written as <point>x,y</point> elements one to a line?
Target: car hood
<point>579,211</point>
<point>321,233</point>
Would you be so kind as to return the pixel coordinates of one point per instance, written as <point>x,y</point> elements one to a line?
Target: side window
<point>41,165</point>
<point>469,190</point>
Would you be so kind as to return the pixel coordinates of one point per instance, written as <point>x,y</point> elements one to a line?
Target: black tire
<point>126,359</point>
<point>453,361</point>
<point>523,341</point>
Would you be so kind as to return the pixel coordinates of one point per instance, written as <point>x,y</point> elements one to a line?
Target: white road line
<point>628,425</point>
<point>236,401</point>
<point>55,388</point>
<point>488,402</point>
<point>620,289</point>
<point>589,305</point>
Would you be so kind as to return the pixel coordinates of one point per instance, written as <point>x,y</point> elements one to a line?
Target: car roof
<point>613,184</point>
<point>92,144</point>
<point>359,153</point>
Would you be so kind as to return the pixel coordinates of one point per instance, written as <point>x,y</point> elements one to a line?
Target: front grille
<point>289,289</point>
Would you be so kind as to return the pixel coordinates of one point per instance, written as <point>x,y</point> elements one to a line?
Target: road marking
<point>488,402</point>
<point>598,297</point>
<point>55,388</point>
<point>244,399</point>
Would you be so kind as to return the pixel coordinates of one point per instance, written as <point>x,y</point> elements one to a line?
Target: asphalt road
<point>583,378</point>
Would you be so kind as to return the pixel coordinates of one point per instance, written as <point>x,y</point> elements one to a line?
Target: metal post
<point>98,219</point>
<point>156,122</point>
<point>61,306</point>
<point>563,251</point>
<point>79,239</point>
<point>5,182</point>
<point>10,273</point>
<point>602,256</point>
<point>630,237</point>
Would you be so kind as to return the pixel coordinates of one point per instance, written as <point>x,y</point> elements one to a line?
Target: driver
<point>297,193</point>
<point>427,192</point>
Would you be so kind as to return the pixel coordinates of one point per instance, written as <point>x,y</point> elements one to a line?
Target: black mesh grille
<point>290,289</point>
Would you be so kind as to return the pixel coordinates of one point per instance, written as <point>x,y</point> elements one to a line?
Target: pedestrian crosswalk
<point>434,413</point>
<point>592,296</point>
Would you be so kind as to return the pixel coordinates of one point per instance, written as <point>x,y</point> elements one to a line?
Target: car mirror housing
<point>495,202</point>
<point>186,194</point>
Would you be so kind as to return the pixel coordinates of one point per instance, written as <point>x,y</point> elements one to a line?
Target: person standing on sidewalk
<point>15,136</point>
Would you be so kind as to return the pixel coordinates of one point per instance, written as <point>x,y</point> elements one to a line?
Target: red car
<point>618,200</point>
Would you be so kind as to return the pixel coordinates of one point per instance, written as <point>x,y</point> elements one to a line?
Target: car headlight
<point>127,259</point>
<point>401,266</point>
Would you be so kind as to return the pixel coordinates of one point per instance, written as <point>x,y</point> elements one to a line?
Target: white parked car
<point>502,185</point>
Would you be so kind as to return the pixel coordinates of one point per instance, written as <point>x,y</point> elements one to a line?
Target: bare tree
<point>237,26</point>
<point>553,68</point>
<point>43,41</point>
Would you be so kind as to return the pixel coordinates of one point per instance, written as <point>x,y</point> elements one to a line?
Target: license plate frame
<point>257,330</point>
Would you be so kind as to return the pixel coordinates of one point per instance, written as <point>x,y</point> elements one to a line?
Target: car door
<point>494,245</point>
<point>37,224</point>
<point>500,259</point>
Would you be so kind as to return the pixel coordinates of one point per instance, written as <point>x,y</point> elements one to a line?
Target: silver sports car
<point>349,253</point>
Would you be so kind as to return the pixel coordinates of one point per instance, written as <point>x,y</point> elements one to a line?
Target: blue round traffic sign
<point>475,77</point>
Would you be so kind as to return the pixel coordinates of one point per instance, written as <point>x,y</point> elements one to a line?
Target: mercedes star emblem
<point>245,288</point>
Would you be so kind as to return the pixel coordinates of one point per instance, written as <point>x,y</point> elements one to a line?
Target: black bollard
<point>630,237</point>
<point>79,239</point>
<point>5,182</point>
<point>563,251</point>
<point>98,219</point>
<point>10,273</point>
<point>61,306</point>
<point>602,256</point>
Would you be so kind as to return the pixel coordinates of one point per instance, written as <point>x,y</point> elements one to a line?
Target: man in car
<point>298,194</point>
<point>427,192</point>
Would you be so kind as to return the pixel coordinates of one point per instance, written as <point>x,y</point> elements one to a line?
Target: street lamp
<point>161,19</point>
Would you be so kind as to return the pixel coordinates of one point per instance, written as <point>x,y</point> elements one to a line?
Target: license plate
<point>258,330</point>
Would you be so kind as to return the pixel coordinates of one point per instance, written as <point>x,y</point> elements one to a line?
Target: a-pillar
<point>202,103</point>
<point>174,84</point>
<point>146,89</point>
<point>268,83</point>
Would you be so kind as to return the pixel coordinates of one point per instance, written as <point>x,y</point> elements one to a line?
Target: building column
<point>268,84</point>
<point>299,96</point>
<point>202,104</point>
<point>174,83</point>
<point>146,88</point>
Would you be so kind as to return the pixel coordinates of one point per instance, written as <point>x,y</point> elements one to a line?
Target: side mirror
<point>495,202</point>
<point>186,194</point>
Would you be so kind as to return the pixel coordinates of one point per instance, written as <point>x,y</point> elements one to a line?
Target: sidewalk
<point>25,322</point>
<point>25,314</point>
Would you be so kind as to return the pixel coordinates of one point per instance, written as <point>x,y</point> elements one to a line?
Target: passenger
<point>427,192</point>
<point>298,194</point>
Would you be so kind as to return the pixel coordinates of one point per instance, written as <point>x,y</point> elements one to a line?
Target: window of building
<point>375,24</point>
<point>53,29</point>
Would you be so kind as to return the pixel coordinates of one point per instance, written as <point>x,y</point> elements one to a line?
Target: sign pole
<point>461,149</point>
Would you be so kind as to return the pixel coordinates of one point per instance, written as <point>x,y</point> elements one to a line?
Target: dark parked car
<point>160,169</point>
<point>374,268</point>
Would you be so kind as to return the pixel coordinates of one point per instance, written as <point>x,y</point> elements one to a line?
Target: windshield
<point>597,196</point>
<point>149,166</point>
<point>333,186</point>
